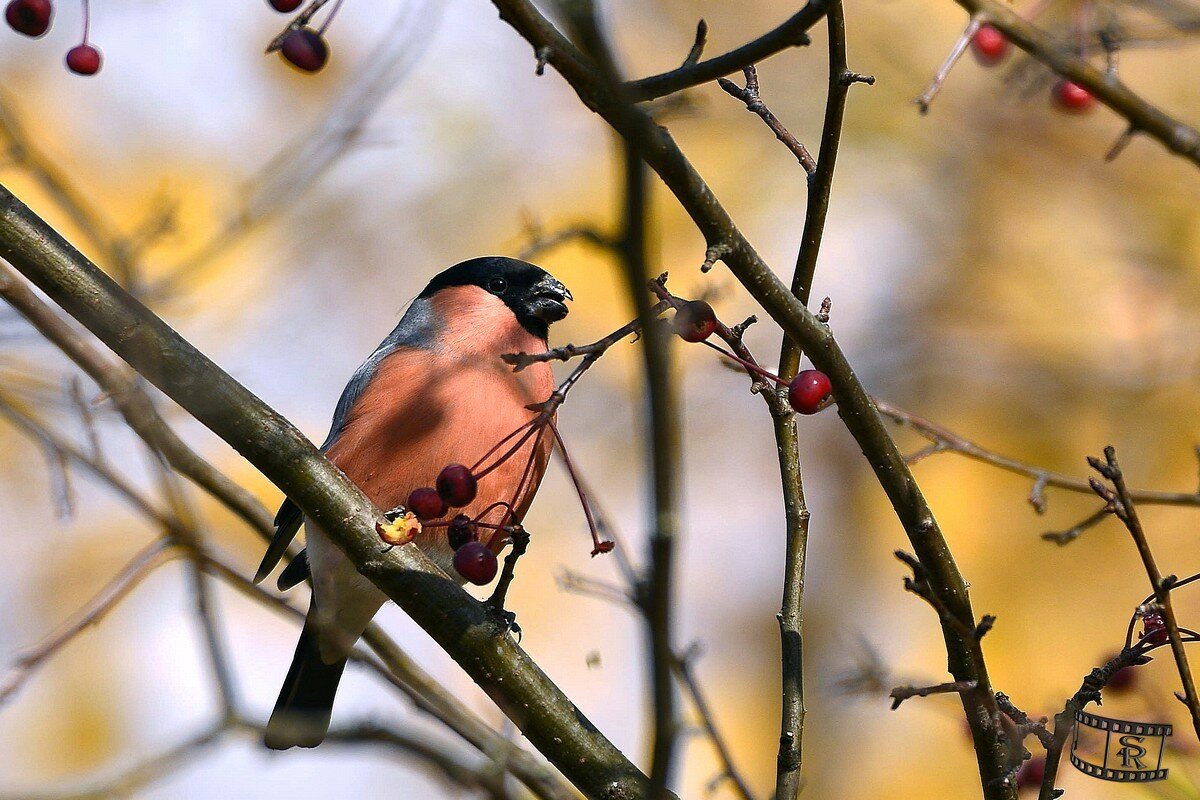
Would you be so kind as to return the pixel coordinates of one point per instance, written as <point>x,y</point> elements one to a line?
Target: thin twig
<point>902,693</point>
<point>148,559</point>
<point>792,33</point>
<point>1126,511</point>
<point>951,442</point>
<point>755,105</point>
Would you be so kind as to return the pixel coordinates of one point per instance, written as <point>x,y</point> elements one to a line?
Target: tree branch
<point>792,33</point>
<point>1107,87</point>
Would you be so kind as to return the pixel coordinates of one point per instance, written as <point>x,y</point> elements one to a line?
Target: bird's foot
<point>504,619</point>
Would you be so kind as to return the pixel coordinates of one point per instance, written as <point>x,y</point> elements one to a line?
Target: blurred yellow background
<point>988,270</point>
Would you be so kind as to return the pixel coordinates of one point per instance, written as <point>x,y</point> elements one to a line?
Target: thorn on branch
<point>902,693</point>
<point>712,255</point>
<point>543,56</point>
<point>848,78</point>
<point>698,45</point>
<point>986,623</point>
<point>1120,144</point>
<point>739,330</point>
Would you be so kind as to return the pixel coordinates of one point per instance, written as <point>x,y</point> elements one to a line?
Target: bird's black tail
<point>301,715</point>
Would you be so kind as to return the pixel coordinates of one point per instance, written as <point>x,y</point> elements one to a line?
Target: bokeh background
<point>987,268</point>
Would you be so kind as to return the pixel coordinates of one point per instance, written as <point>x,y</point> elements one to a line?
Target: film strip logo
<point>1116,750</point>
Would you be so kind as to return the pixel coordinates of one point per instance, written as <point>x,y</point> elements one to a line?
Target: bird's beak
<point>549,295</point>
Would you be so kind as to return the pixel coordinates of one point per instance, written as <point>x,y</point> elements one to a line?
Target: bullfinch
<point>435,392</point>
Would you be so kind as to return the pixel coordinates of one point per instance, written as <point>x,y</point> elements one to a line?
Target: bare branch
<point>150,558</point>
<point>792,33</point>
<point>755,105</point>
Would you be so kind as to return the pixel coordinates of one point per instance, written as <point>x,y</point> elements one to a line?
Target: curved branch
<point>792,33</point>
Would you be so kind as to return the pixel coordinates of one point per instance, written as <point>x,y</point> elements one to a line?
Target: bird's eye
<point>497,285</point>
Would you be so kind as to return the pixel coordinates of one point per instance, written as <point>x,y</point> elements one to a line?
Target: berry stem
<point>511,513</point>
<point>534,425</point>
<point>87,20</point>
<point>501,443</point>
<point>749,365</point>
<point>597,545</point>
<point>336,7</point>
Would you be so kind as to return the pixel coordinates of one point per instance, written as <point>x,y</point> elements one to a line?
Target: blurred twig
<point>1142,116</point>
<point>1121,502</point>
<point>150,558</point>
<point>946,440</point>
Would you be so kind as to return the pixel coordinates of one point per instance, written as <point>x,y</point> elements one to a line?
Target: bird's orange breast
<point>451,403</point>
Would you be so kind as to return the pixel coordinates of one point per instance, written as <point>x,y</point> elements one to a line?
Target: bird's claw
<point>506,620</point>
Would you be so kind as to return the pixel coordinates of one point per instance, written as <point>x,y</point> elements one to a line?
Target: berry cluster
<point>807,393</point>
<point>32,18</point>
<point>991,47</point>
<point>457,486</point>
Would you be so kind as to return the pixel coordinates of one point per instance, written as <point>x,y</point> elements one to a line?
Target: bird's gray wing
<point>417,329</point>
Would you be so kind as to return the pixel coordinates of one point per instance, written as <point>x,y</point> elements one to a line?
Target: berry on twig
<point>305,49</point>
<point>475,562</point>
<point>695,321</point>
<point>457,485</point>
<point>809,391</point>
<point>427,504</point>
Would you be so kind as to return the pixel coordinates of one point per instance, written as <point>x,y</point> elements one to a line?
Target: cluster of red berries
<point>809,392</point>
<point>456,486</point>
<point>303,47</point>
<point>32,18</point>
<point>990,47</point>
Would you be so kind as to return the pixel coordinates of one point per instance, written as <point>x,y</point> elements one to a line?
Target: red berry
<point>1070,96</point>
<point>1154,627</point>
<point>30,17</point>
<point>305,49</point>
<point>284,6</point>
<point>460,531</point>
<point>475,562</point>
<point>457,485</point>
<point>809,391</point>
<point>83,59</point>
<point>989,45</point>
<point>695,321</point>
<point>427,504</point>
<point>1030,775</point>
